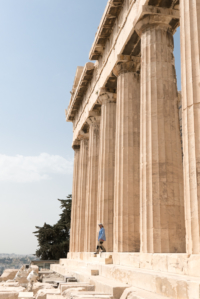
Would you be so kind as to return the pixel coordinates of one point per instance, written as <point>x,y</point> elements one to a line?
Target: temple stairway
<point>114,279</point>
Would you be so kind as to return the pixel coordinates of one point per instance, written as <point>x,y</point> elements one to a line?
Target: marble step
<point>101,260</point>
<point>135,293</point>
<point>101,284</point>
<point>87,295</point>
<point>160,283</point>
<point>86,286</point>
<point>80,295</point>
<point>61,269</point>
<point>25,295</point>
<point>108,286</point>
<point>42,294</point>
<point>49,296</point>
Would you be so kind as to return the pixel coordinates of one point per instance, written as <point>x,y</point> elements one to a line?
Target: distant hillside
<point>14,261</point>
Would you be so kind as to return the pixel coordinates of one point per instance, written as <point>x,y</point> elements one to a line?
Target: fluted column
<point>92,185</point>
<point>161,169</point>
<point>105,203</point>
<point>82,183</point>
<point>190,72</point>
<point>74,198</point>
<point>127,158</point>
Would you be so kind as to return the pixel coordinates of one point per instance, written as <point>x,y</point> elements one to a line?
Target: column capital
<point>157,19</point>
<point>93,120</point>
<point>126,64</point>
<point>106,97</point>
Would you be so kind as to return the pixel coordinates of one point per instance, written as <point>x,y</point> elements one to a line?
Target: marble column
<point>81,203</point>
<point>92,185</point>
<point>105,204</point>
<point>127,158</point>
<point>190,71</point>
<point>161,168</point>
<point>74,198</point>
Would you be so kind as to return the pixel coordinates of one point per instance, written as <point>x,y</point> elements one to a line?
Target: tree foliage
<point>53,240</point>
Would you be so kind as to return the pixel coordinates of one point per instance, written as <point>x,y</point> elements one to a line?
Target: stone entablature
<point>124,39</point>
<point>106,27</point>
<point>79,90</point>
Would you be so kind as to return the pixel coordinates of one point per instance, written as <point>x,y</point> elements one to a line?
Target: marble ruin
<point>136,156</point>
<point>136,143</point>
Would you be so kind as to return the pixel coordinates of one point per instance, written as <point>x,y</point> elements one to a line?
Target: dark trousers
<point>100,247</point>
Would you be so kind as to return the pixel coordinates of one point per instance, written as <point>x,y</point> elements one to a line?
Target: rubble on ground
<point>29,283</point>
<point>39,286</point>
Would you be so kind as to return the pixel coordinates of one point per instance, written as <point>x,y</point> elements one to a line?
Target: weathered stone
<point>190,73</point>
<point>42,294</point>
<point>8,274</point>
<point>74,294</point>
<point>84,286</point>
<point>7,292</point>
<point>94,272</point>
<point>8,295</point>
<point>161,168</point>
<point>25,295</point>
<point>81,202</point>
<point>92,185</point>
<point>105,204</point>
<point>130,171</point>
<point>38,286</point>
<point>73,231</point>
<point>127,158</point>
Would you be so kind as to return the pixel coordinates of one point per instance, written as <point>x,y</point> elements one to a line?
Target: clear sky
<point>42,43</point>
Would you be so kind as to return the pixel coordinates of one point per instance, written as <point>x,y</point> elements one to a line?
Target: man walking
<point>101,239</point>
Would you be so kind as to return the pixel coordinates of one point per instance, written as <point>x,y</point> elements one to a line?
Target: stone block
<point>128,259</point>
<point>7,292</point>
<point>193,265</point>
<point>146,261</point>
<point>108,286</point>
<point>8,274</point>
<point>160,262</point>
<point>8,295</point>
<point>177,263</point>
<point>108,260</point>
<point>94,272</point>
<point>25,295</point>
<point>72,280</point>
<point>87,295</point>
<point>83,285</point>
<point>68,277</point>
<point>45,272</point>
<point>38,286</point>
<point>11,289</point>
<point>9,284</point>
<point>42,294</point>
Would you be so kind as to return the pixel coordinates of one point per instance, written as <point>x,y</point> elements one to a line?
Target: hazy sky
<point>42,43</point>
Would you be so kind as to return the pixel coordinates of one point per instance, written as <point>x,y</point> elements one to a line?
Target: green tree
<point>53,240</point>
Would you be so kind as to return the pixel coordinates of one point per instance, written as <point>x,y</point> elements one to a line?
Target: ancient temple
<point>131,172</point>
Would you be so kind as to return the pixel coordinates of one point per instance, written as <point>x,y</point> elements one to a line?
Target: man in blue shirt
<point>101,239</point>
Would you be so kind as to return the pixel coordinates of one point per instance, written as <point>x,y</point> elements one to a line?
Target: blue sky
<point>42,43</point>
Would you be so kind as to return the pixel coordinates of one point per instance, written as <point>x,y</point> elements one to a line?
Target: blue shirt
<point>102,235</point>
